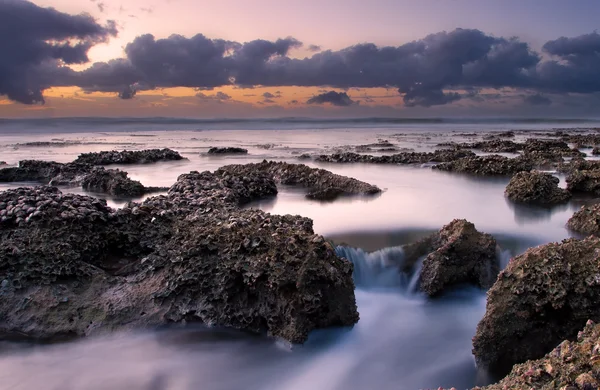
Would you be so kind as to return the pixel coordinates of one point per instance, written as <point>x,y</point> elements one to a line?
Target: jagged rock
<point>320,183</point>
<point>536,187</point>
<point>584,181</point>
<point>583,140</point>
<point>596,151</point>
<point>304,156</point>
<point>399,158</point>
<point>113,182</point>
<point>129,157</point>
<point>534,144</point>
<point>69,265</point>
<point>544,296</point>
<point>49,143</point>
<point>494,146</point>
<point>457,254</point>
<point>227,150</point>
<point>3,163</point>
<point>31,170</point>
<point>578,164</point>
<point>586,220</point>
<point>492,165</point>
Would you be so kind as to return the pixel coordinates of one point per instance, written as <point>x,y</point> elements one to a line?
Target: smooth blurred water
<point>402,341</point>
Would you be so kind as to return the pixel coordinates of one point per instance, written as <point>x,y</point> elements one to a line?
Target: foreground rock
<point>586,220</point>
<point>90,178</point>
<point>544,296</point>
<point>399,158</point>
<point>129,157</point>
<point>578,164</point>
<point>492,165</point>
<point>321,184</point>
<point>227,150</point>
<point>536,188</point>
<point>69,265</point>
<point>584,181</point>
<point>457,254</point>
<point>572,365</point>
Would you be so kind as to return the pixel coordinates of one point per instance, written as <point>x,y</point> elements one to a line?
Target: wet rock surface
<point>399,158</point>
<point>578,164</point>
<point>457,254</point>
<point>129,157</point>
<point>586,220</point>
<point>321,184</point>
<point>492,165</point>
<point>227,150</point>
<point>69,265</point>
<point>544,296</point>
<point>494,146</point>
<point>584,181</point>
<point>536,188</point>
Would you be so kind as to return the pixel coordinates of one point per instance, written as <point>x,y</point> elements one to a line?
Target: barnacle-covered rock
<point>128,157</point>
<point>536,187</point>
<point>441,155</point>
<point>457,254</point>
<point>544,296</point>
<point>492,165</point>
<point>584,181</point>
<point>586,220</point>
<point>227,150</point>
<point>321,184</point>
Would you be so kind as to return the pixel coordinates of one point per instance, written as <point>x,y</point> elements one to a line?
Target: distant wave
<point>71,124</point>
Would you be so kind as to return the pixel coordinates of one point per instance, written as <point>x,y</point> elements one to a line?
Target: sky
<point>267,58</point>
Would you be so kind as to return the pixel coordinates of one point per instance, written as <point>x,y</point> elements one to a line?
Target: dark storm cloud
<point>340,99</point>
<point>537,100</point>
<point>37,42</point>
<point>427,72</point>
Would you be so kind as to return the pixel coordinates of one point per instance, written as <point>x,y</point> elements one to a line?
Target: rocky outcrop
<point>227,150</point>
<point>129,157</point>
<point>89,177</point>
<point>578,164</point>
<point>321,184</point>
<point>457,254</point>
<point>492,165</point>
<point>584,181</point>
<point>572,365</point>
<point>586,220</point>
<point>3,163</point>
<point>596,151</point>
<point>399,158</point>
<point>544,296</point>
<point>536,188</point>
<point>494,146</point>
<point>583,140</point>
<point>69,265</point>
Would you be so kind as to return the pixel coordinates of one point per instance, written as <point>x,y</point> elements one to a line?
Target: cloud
<point>314,48</point>
<point>38,43</point>
<point>128,93</point>
<point>101,6</point>
<point>537,100</point>
<point>340,99</point>
<point>219,96</point>
<point>428,72</point>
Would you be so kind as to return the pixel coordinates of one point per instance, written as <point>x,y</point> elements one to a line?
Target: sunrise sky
<point>327,58</point>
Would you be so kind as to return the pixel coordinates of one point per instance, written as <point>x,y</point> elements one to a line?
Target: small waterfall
<point>381,269</point>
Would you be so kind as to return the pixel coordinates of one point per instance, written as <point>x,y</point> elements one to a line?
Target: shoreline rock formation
<point>457,254</point>
<point>544,296</point>
<point>584,181</point>
<point>189,256</point>
<point>492,165</point>
<point>441,155</point>
<point>227,150</point>
<point>536,188</point>
<point>586,220</point>
<point>320,183</point>
<point>147,156</point>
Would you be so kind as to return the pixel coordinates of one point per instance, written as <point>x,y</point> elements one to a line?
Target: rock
<point>596,151</point>
<point>321,184</point>
<point>544,296</point>
<point>457,254</point>
<point>227,150</point>
<point>129,157</point>
<point>582,140</point>
<point>399,158</point>
<point>536,187</point>
<point>492,165</point>
<point>586,220</point>
<point>49,143</point>
<point>572,365</point>
<point>76,267</point>
<point>584,181</point>
<point>304,156</point>
<point>578,164</point>
<point>3,163</point>
<point>534,144</point>
<point>31,170</point>
<point>494,146</point>
<point>113,182</point>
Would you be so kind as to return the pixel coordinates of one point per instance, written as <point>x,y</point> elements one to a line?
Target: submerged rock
<point>129,157</point>
<point>586,220</point>
<point>536,187</point>
<point>584,181</point>
<point>73,266</point>
<point>227,150</point>
<point>321,184</point>
<point>544,296</point>
<point>492,165</point>
<point>457,254</point>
